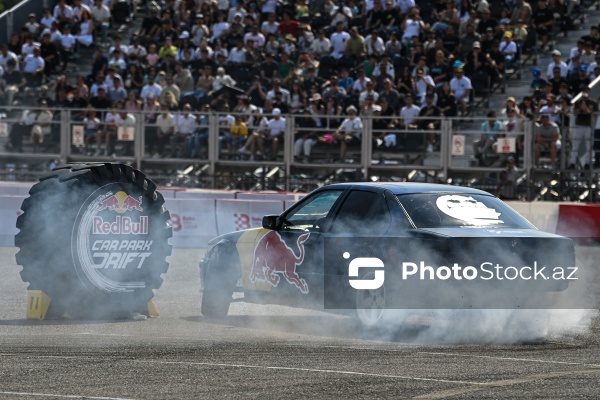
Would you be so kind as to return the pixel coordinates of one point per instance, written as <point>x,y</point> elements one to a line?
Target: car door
<point>285,258</point>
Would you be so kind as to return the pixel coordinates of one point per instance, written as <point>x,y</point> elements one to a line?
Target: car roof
<point>400,188</point>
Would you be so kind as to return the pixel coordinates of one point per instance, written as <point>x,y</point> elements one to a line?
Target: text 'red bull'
<point>121,226</point>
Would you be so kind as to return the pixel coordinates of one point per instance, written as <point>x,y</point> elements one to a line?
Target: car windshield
<point>445,210</point>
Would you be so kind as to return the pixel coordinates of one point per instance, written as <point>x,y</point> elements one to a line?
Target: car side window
<point>363,212</point>
<point>311,211</point>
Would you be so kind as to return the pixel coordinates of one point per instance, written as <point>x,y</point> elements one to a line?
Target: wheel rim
<point>370,305</point>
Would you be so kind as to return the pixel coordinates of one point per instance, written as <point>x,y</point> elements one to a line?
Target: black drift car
<point>369,247</point>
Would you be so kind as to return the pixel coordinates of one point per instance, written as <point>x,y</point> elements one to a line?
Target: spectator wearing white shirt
<point>28,46</point>
<point>408,113</point>
<point>32,25</point>
<point>285,94</point>
<point>275,132</point>
<point>238,55</point>
<point>159,138</point>
<point>422,82</point>
<point>67,46</point>
<point>374,44</point>
<point>47,19</point>
<point>185,125</point>
<point>370,92</point>
<point>117,62</point>
<point>509,49</point>
<point>270,25</point>
<point>255,36</point>
<point>341,13</point>
<point>125,120</point>
<point>338,41</point>
<point>461,86</point>
<point>222,79</point>
<point>405,5</point>
<point>557,62</point>
<point>349,132</point>
<point>78,9</point>
<point>101,16</point>
<point>63,13</point>
<point>151,88</point>
<point>33,68</point>
<point>6,55</point>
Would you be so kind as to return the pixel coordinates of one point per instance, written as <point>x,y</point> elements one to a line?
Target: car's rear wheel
<point>370,304</point>
<point>218,284</point>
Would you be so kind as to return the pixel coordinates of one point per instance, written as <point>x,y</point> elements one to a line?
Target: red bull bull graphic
<point>272,256</point>
<point>120,202</point>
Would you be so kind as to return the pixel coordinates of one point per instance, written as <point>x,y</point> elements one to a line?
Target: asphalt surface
<point>274,352</point>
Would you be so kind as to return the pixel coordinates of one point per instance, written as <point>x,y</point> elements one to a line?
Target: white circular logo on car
<point>466,208</point>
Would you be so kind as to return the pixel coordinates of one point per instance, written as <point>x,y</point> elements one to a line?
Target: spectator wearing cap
<point>33,68</point>
<point>421,84</point>
<point>488,40</point>
<point>381,129</point>
<point>117,92</point>
<point>580,80</point>
<point>543,21</point>
<point>101,16</point>
<point>547,137</point>
<point>509,49</point>
<point>476,60</point>
<point>349,133</point>
<point>537,82</point>
<point>461,86</point>
<point>274,134</point>
<point>237,11</point>
<point>222,79</point>
<point>32,25</point>
<point>199,30</point>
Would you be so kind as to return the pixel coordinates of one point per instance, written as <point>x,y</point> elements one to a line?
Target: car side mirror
<point>270,222</point>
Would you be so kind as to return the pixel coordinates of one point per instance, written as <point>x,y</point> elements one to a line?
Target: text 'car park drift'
<point>370,248</point>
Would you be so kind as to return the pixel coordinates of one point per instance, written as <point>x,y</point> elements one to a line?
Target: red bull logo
<point>272,256</point>
<point>120,202</point>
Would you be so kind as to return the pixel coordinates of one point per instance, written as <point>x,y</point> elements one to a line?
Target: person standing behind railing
<point>582,132</point>
<point>490,131</point>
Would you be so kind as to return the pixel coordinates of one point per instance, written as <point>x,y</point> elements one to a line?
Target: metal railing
<point>11,21</point>
<point>452,154</point>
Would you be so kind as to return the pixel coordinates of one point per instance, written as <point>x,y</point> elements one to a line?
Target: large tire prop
<point>94,238</point>
<point>219,283</point>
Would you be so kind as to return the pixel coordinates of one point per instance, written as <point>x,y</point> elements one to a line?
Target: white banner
<point>126,133</point>
<point>458,145</point>
<point>506,145</point>
<point>78,135</point>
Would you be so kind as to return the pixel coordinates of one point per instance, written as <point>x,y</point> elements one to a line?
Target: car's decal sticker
<point>466,208</point>
<point>273,258</point>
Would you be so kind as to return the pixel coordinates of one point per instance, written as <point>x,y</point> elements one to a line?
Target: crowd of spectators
<point>404,62</point>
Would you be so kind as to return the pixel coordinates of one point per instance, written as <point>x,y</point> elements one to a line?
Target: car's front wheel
<point>218,285</point>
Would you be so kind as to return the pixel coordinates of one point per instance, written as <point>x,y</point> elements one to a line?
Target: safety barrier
<point>198,216</point>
